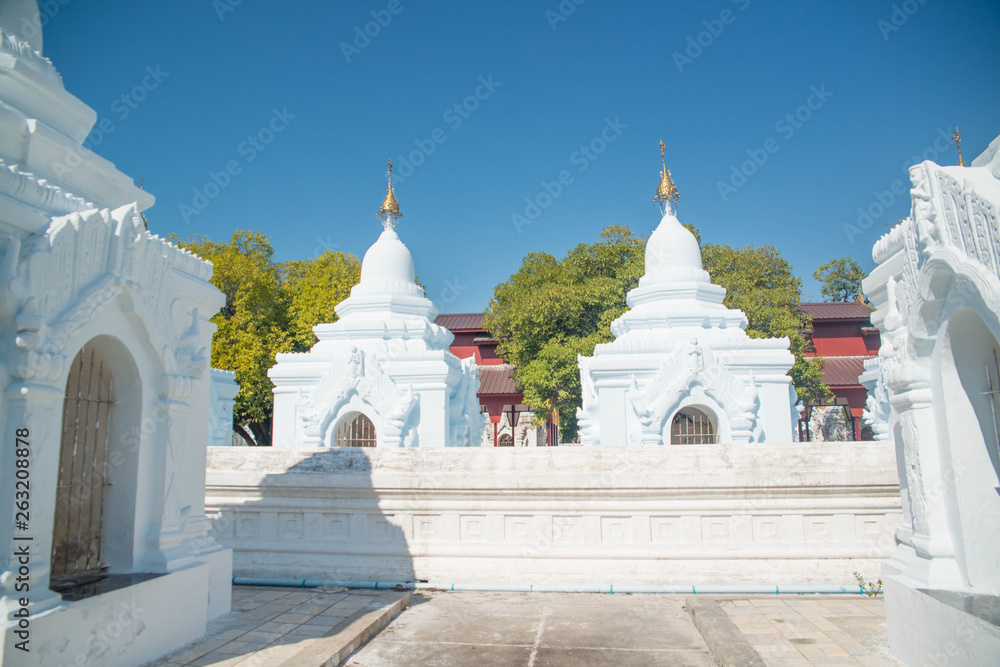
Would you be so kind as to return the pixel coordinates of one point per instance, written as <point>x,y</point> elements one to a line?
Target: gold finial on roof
<point>666,193</point>
<point>389,213</point>
<point>958,142</point>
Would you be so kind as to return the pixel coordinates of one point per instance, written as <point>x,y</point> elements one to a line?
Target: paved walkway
<point>304,627</point>
<point>538,630</point>
<point>270,625</point>
<point>799,630</point>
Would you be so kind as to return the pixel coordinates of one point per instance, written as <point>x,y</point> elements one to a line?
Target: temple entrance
<point>78,533</point>
<point>355,430</point>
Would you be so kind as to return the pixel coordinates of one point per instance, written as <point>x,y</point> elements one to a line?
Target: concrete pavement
<point>538,630</point>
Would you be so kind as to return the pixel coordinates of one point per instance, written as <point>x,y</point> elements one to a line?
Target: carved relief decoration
<point>354,374</point>
<point>695,370</point>
<point>61,278</point>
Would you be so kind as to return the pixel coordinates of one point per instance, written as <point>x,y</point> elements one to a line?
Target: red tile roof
<point>849,310</point>
<point>461,321</point>
<point>497,379</point>
<point>843,371</point>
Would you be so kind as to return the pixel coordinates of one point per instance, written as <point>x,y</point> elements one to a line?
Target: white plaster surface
<point>679,346</point>
<point>937,291</point>
<point>222,399</point>
<point>123,628</point>
<point>706,514</point>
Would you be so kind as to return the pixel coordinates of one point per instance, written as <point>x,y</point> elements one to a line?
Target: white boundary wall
<point>792,514</point>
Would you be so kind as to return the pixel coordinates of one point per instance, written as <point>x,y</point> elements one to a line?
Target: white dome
<point>670,247</point>
<point>387,261</point>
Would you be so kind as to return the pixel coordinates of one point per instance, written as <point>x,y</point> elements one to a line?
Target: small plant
<point>869,588</point>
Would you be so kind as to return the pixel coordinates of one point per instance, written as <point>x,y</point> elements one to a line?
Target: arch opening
<point>970,408</point>
<point>94,520</point>
<point>355,430</point>
<point>693,425</point>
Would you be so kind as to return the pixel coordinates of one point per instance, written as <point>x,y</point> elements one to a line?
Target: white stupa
<point>681,369</point>
<point>382,375</point>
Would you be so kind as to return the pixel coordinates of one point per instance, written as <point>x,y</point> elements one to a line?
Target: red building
<point>842,333</point>
<point>498,393</point>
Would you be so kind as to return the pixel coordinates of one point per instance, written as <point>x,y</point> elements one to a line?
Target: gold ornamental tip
<point>666,192</point>
<point>957,137</point>
<point>389,213</point>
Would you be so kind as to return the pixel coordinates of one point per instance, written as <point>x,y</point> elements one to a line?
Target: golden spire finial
<point>666,193</point>
<point>958,142</point>
<point>389,213</point>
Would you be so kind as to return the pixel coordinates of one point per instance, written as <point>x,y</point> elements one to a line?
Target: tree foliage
<point>270,308</point>
<point>841,280</point>
<point>760,282</point>
<point>552,310</point>
<point>315,287</point>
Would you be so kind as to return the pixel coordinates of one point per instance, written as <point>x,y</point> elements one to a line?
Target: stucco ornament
<point>65,275</point>
<point>937,293</point>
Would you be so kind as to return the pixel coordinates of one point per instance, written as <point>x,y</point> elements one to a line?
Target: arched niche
<point>94,524</point>
<point>969,409</point>
<point>355,429</point>
<point>693,425</point>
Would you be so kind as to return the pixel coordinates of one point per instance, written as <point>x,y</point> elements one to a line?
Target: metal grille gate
<point>691,426</point>
<point>77,532</point>
<point>356,432</point>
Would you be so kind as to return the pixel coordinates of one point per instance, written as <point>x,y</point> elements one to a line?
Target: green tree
<point>550,311</point>
<point>841,280</point>
<point>315,287</point>
<point>270,308</point>
<point>760,282</point>
<point>253,325</point>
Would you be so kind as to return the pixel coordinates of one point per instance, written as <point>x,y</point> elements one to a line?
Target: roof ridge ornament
<point>957,137</point>
<point>389,213</point>
<point>666,193</point>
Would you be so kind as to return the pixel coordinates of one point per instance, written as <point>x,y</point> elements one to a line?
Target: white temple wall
<point>937,293</point>
<point>698,514</point>
<point>222,400</point>
<point>78,266</point>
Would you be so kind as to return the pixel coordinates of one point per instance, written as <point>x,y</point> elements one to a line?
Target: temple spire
<point>666,193</point>
<point>389,213</point>
<point>958,142</point>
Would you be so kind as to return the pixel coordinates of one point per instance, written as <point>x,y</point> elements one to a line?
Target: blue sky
<point>304,109</point>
